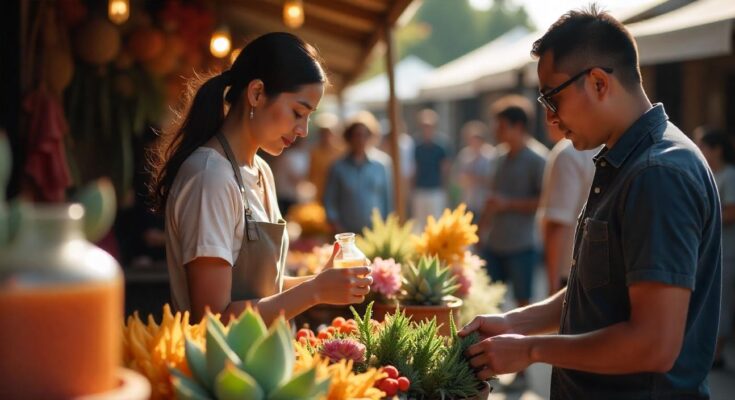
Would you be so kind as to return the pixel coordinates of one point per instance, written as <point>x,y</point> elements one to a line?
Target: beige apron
<point>259,267</point>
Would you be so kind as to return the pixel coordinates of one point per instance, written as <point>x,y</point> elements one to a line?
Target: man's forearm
<point>538,318</point>
<point>291,281</point>
<point>618,349</point>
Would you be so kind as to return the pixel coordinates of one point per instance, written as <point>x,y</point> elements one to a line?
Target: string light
<point>118,11</point>
<point>220,43</point>
<point>293,13</point>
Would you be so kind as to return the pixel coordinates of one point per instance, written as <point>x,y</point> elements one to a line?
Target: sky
<point>544,12</point>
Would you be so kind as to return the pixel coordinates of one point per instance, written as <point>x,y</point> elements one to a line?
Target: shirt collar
<point>624,147</point>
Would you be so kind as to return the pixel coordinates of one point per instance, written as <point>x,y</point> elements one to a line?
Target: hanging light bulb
<point>293,13</point>
<point>118,11</point>
<point>220,43</point>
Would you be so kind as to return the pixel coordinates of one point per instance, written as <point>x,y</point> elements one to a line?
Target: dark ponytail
<point>281,60</point>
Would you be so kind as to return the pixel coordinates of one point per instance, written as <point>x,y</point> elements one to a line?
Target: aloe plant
<point>427,283</point>
<point>246,362</point>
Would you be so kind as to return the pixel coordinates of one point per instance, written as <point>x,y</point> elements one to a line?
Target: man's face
<point>579,115</point>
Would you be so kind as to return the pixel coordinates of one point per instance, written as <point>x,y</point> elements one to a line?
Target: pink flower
<point>465,270</point>
<point>386,277</point>
<point>343,349</point>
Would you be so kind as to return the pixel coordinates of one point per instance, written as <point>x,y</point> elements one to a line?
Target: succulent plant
<point>343,349</point>
<point>100,206</point>
<point>246,362</point>
<point>427,283</point>
<point>387,239</point>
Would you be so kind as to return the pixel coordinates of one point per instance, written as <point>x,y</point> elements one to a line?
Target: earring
<point>252,113</point>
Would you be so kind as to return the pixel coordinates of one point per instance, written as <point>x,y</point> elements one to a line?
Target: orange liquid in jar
<point>349,263</point>
<point>60,342</point>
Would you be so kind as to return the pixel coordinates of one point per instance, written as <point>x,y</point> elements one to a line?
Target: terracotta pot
<point>132,386</point>
<point>424,313</point>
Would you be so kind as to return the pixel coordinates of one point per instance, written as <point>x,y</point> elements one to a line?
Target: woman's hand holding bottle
<point>341,286</point>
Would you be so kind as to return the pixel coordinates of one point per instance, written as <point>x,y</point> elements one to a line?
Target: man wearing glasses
<point>639,317</point>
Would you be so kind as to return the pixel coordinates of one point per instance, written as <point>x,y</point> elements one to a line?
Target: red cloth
<point>46,165</point>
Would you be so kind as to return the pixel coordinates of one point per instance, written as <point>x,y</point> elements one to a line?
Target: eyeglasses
<point>545,98</point>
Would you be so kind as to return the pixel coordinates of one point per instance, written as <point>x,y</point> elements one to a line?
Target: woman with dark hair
<point>718,150</point>
<point>226,240</point>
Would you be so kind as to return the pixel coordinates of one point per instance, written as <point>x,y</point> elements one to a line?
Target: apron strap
<point>250,229</point>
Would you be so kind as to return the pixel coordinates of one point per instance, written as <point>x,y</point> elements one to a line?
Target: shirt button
<point>603,164</point>
<point>597,190</point>
<point>574,262</point>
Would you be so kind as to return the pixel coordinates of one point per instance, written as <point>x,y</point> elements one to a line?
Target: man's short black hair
<point>515,109</point>
<point>588,38</point>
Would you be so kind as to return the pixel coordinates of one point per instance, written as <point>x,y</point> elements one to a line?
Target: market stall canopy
<point>346,32</point>
<point>505,63</point>
<point>491,66</point>
<point>698,30</point>
<point>410,74</point>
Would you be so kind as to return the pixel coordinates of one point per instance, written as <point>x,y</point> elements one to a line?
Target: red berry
<point>313,342</point>
<point>332,330</point>
<point>391,371</point>
<point>323,335</point>
<point>403,384</point>
<point>304,333</point>
<point>337,322</point>
<point>389,386</point>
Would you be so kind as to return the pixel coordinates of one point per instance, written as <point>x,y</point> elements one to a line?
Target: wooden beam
<point>393,114</point>
<point>372,5</point>
<point>358,18</point>
<point>241,19</point>
<point>272,9</point>
<point>392,14</point>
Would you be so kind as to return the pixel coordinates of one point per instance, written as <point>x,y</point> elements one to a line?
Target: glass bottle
<point>61,305</point>
<point>349,255</point>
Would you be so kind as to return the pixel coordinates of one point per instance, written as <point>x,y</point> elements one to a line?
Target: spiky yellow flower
<point>152,349</point>
<point>449,237</point>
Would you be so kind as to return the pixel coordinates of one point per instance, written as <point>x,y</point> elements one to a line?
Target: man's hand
<point>501,354</point>
<point>488,325</point>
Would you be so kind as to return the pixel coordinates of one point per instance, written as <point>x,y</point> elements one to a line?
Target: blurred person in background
<point>508,221</point>
<point>566,185</point>
<point>720,155</point>
<point>328,149</point>
<point>289,171</point>
<point>359,182</point>
<point>432,167</point>
<point>474,166</point>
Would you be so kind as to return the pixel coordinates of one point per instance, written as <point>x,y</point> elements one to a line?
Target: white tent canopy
<point>698,30</point>
<point>701,29</point>
<point>410,73</point>
<point>493,64</point>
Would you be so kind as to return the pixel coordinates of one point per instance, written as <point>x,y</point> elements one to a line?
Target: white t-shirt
<point>205,213</point>
<point>567,179</point>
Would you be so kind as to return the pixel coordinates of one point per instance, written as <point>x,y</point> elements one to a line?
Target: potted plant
<point>427,290</point>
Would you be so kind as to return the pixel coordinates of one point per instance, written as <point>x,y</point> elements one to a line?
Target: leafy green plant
<point>435,365</point>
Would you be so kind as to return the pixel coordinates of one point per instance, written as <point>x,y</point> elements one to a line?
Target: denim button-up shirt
<point>653,215</point>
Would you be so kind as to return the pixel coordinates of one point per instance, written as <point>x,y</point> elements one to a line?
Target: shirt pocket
<point>594,255</point>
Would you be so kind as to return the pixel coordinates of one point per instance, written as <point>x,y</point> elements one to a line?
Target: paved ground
<point>722,382</point>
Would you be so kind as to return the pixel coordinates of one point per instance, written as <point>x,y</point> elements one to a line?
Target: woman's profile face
<point>284,118</point>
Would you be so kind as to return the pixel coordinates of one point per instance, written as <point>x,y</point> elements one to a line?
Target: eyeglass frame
<point>545,98</point>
